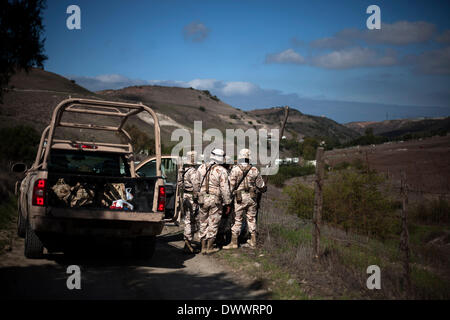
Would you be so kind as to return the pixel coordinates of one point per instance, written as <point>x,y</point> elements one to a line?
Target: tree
<point>20,37</point>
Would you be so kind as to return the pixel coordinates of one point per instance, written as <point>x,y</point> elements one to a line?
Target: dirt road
<point>170,274</point>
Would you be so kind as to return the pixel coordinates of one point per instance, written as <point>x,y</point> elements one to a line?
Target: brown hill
<point>400,127</point>
<point>31,98</point>
<point>304,125</point>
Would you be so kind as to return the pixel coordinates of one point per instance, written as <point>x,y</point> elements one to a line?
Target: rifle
<point>240,181</point>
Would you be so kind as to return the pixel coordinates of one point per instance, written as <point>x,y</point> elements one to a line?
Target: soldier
<point>214,195</point>
<point>188,182</point>
<point>245,182</point>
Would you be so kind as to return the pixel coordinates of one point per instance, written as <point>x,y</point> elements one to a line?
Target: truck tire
<point>21,223</point>
<point>34,249</point>
<point>144,247</point>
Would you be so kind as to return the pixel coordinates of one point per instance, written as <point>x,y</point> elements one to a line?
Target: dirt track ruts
<point>170,274</point>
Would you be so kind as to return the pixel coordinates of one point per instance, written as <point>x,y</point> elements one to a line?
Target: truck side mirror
<point>19,167</point>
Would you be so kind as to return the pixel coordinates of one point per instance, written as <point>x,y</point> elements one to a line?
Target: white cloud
<point>238,88</point>
<point>401,33</point>
<point>287,56</point>
<point>195,31</point>
<point>398,33</point>
<point>353,58</point>
<point>203,84</point>
<point>107,81</point>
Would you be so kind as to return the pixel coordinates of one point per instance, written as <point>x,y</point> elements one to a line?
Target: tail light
<point>162,199</point>
<point>39,193</point>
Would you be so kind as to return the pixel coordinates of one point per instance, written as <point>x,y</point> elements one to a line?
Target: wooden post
<point>404,236</point>
<point>367,163</point>
<point>318,202</point>
<point>283,124</point>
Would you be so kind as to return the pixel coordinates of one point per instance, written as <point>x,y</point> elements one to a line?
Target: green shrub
<point>357,164</point>
<point>8,210</point>
<point>201,108</point>
<point>234,116</point>
<point>140,140</point>
<point>19,143</point>
<point>289,171</point>
<point>301,200</point>
<point>352,201</point>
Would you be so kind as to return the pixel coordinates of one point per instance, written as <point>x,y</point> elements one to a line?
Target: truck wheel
<point>21,223</point>
<point>144,247</point>
<point>34,249</point>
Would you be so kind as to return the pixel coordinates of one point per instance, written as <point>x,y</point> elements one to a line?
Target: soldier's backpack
<point>81,196</point>
<point>62,190</point>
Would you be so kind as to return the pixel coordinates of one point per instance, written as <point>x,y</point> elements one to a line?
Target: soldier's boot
<point>210,249</point>
<point>188,247</point>
<point>203,246</point>
<point>252,240</point>
<point>233,244</point>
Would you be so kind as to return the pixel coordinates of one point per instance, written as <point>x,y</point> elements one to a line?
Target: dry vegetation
<point>361,227</point>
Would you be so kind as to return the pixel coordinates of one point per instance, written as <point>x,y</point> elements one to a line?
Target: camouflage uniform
<point>247,189</point>
<point>188,181</point>
<point>216,193</point>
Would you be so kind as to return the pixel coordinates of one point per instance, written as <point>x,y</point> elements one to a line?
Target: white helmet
<point>244,154</point>
<point>217,155</point>
<point>228,160</point>
<point>191,158</point>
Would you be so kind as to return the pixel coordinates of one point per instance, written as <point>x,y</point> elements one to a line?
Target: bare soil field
<point>426,163</point>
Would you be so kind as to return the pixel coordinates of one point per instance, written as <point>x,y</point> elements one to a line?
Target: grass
<point>280,283</point>
<point>8,210</point>
<point>287,240</point>
<point>428,285</point>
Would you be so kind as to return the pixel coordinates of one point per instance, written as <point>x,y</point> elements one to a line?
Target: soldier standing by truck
<point>246,182</point>
<point>213,196</point>
<point>188,182</point>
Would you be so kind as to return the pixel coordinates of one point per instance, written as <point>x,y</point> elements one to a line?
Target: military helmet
<point>191,158</point>
<point>218,155</point>
<point>244,154</point>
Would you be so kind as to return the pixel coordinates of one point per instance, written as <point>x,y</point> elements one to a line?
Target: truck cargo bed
<point>97,193</point>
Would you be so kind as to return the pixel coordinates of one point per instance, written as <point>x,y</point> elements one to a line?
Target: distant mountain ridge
<point>31,97</point>
<point>400,127</point>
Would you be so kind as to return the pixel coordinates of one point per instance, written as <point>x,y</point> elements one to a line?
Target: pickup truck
<point>82,190</point>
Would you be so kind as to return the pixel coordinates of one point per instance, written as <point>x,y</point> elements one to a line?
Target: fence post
<point>404,236</point>
<point>318,202</point>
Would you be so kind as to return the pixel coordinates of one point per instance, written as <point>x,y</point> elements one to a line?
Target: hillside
<point>31,97</point>
<point>306,125</point>
<point>185,105</point>
<point>398,128</point>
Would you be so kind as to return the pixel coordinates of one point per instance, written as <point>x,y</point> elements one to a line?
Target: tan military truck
<point>82,190</point>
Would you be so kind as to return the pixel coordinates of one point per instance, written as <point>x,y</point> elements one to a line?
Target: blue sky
<point>318,57</point>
